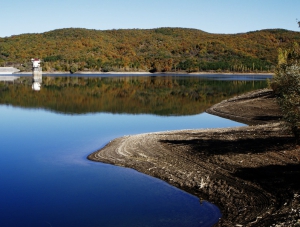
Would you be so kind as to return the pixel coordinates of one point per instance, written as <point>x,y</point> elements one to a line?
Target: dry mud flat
<point>251,173</point>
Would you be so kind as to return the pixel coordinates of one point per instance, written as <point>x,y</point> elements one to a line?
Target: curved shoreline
<point>224,166</point>
<point>252,108</point>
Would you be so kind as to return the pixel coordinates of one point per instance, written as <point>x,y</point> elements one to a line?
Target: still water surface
<point>46,179</point>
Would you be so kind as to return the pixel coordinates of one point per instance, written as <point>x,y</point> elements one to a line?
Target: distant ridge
<point>155,50</point>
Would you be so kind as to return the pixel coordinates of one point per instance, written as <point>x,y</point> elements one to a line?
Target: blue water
<point>46,180</point>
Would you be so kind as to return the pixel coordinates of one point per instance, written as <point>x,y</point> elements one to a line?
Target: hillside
<point>161,49</point>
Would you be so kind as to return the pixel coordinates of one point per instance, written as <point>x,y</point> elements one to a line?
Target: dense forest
<point>160,95</point>
<point>147,50</point>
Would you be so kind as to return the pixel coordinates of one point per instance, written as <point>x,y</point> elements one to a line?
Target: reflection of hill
<point>152,95</point>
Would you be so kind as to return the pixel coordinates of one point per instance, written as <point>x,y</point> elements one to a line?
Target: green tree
<point>73,68</point>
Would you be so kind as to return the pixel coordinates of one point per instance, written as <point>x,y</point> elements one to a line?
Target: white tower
<point>35,64</point>
<point>36,74</point>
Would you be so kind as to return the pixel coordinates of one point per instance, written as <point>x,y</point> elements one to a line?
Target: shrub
<point>286,85</point>
<point>73,68</point>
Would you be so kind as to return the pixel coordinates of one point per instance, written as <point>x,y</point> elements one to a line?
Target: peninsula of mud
<point>251,173</point>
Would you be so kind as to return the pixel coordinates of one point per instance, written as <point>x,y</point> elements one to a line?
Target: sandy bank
<point>249,172</point>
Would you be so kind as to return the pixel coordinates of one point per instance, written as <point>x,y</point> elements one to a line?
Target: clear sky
<point>214,16</point>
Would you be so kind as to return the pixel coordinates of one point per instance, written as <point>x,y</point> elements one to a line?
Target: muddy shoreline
<point>251,173</point>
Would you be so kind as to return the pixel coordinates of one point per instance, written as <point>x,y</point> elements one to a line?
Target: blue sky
<point>214,16</point>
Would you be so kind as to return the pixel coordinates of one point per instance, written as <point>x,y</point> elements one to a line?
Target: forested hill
<point>161,49</point>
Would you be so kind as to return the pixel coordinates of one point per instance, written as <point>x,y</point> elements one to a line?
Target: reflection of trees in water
<point>162,95</point>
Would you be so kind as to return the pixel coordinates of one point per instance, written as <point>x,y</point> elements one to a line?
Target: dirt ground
<point>251,173</point>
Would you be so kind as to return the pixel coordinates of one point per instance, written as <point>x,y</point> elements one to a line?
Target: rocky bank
<point>251,173</point>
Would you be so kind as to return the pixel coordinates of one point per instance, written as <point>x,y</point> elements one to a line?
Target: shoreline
<point>249,179</point>
<point>146,73</point>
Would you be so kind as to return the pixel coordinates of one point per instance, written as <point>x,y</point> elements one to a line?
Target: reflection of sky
<point>45,176</point>
<point>86,133</point>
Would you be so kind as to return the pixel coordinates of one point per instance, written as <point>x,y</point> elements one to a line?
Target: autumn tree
<point>161,49</point>
<point>286,85</point>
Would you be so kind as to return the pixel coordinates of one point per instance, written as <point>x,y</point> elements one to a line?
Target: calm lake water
<point>46,135</point>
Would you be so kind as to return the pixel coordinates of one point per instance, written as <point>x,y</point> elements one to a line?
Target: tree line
<point>147,50</point>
